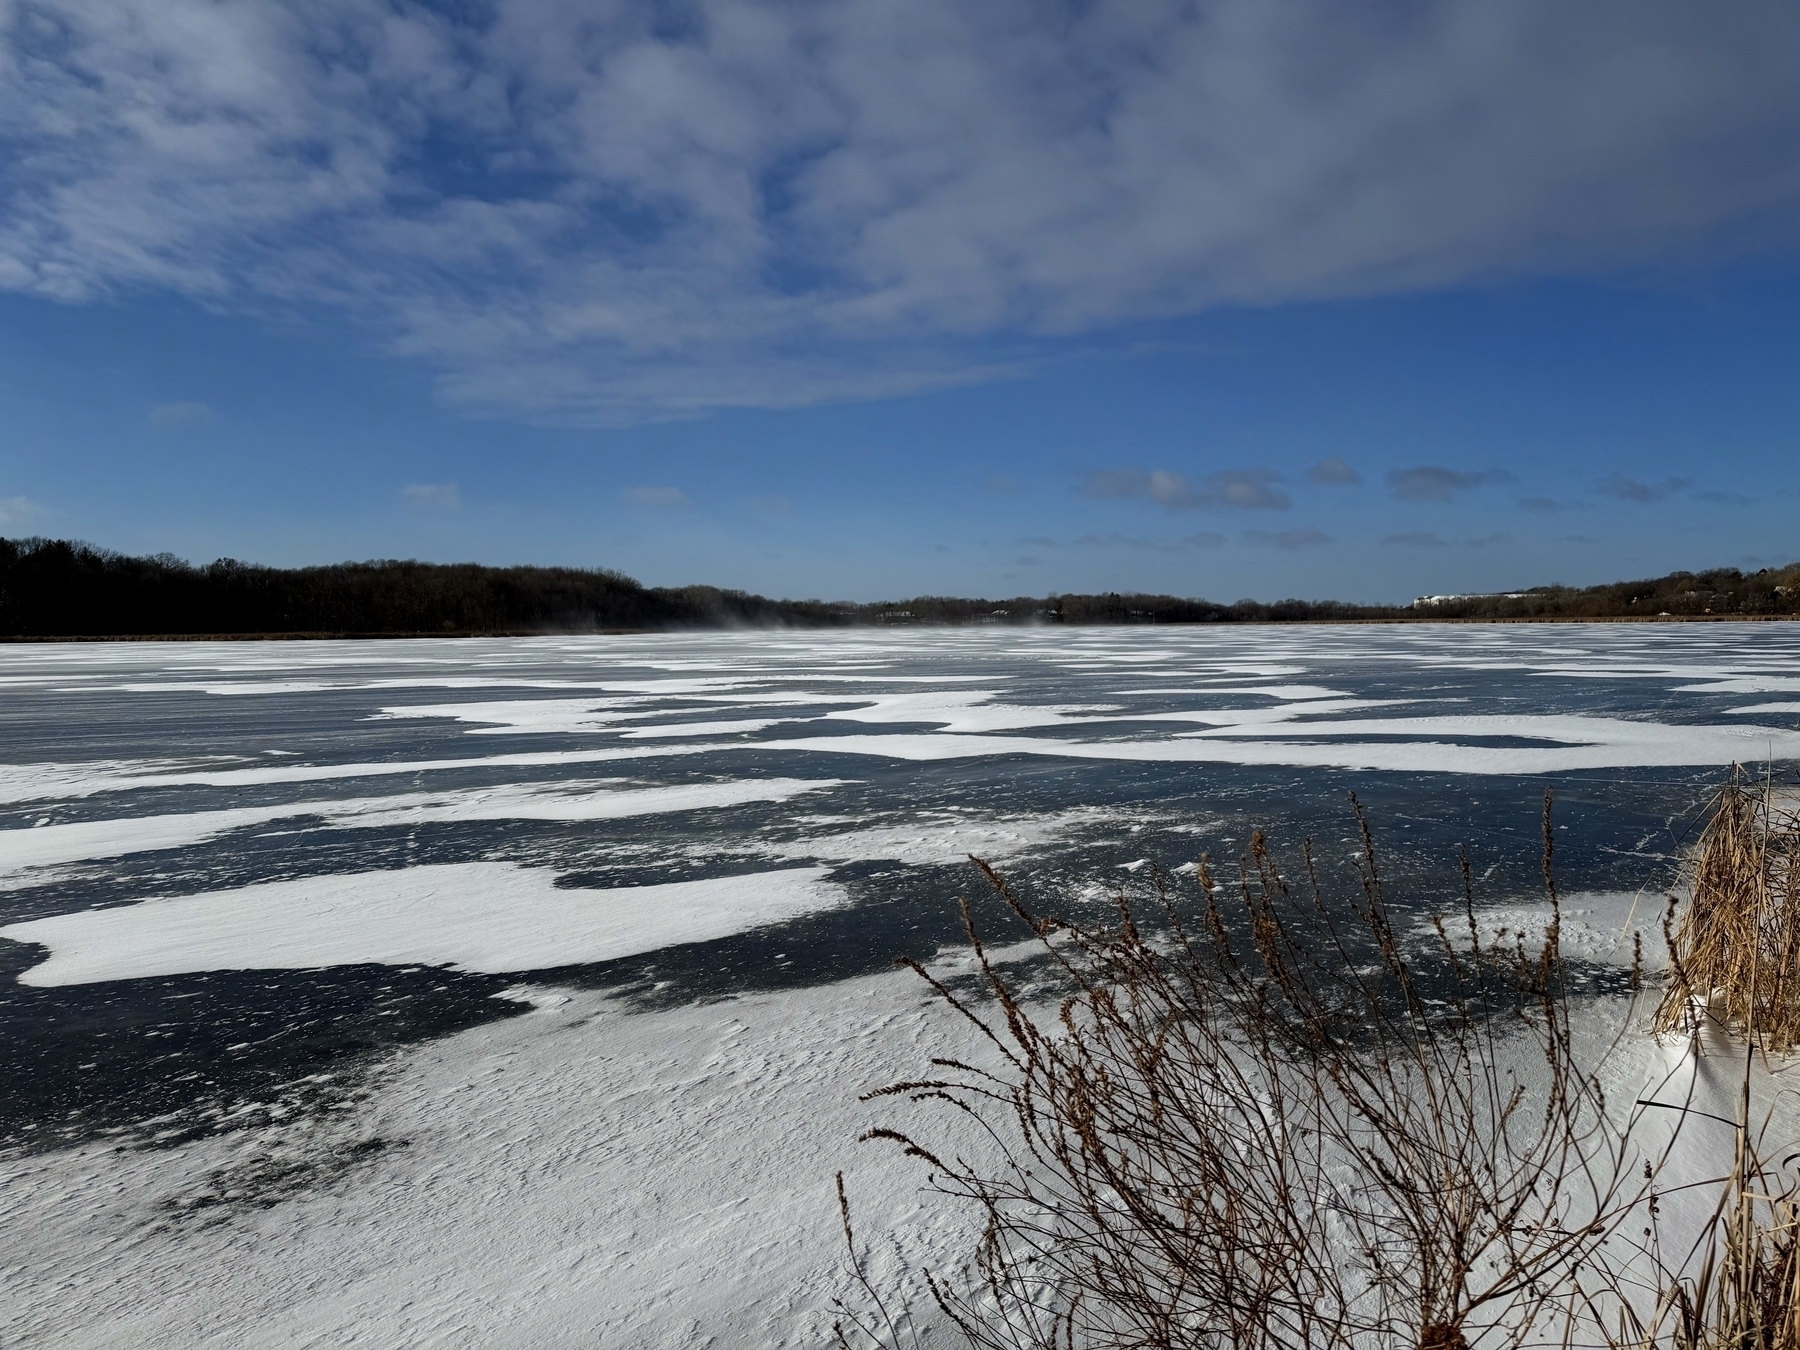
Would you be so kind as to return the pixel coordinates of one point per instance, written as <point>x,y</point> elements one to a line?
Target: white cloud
<point>666,498</point>
<point>179,414</point>
<point>595,214</point>
<point>432,496</point>
<point>17,513</point>
<point>1333,470</point>
<point>1435,483</point>
<point>1308,537</point>
<point>1246,489</point>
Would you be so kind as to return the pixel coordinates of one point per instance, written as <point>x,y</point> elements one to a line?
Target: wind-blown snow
<point>42,782</point>
<point>578,1176</point>
<point>1571,743</point>
<point>82,841</point>
<point>490,917</point>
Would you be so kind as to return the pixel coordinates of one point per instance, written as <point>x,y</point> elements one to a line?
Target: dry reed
<point>1736,950</point>
<point>1265,1129</point>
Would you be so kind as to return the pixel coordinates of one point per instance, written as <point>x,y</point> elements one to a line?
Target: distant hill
<point>58,588</point>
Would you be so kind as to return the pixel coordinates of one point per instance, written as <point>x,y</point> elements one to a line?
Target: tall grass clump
<point>1252,1121</point>
<point>1735,952</point>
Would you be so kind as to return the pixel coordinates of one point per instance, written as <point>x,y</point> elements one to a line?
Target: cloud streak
<point>432,496</point>
<point>1334,471</point>
<point>661,498</point>
<point>1308,537</point>
<point>179,414</point>
<point>1626,489</point>
<point>1431,539</point>
<point>1435,483</point>
<point>1244,489</point>
<point>17,513</point>
<point>594,214</point>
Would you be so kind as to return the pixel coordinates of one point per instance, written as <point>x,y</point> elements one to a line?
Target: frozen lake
<point>272,901</point>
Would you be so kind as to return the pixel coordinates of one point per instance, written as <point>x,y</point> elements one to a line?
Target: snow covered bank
<point>582,1176</point>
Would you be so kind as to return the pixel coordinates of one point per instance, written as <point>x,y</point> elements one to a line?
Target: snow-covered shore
<point>580,1176</point>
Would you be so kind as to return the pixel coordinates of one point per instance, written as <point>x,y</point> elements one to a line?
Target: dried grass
<point>1736,950</point>
<point>1265,1129</point>
<point>1260,1126</point>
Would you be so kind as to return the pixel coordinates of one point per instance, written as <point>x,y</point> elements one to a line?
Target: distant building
<point>1432,601</point>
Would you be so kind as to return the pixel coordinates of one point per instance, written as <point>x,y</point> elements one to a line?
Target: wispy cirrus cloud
<point>601,214</point>
<point>1435,483</point>
<point>1432,539</point>
<point>1307,537</point>
<point>180,414</point>
<point>1245,489</point>
<point>1135,543</point>
<point>1625,489</point>
<point>19,513</point>
<point>661,498</point>
<point>432,496</point>
<point>1334,471</point>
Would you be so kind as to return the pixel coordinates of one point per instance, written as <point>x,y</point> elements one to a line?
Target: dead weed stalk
<point>1259,1126</point>
<point>1736,950</point>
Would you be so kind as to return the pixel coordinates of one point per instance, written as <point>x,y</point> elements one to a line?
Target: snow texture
<point>83,841</point>
<point>581,1176</point>
<point>475,916</point>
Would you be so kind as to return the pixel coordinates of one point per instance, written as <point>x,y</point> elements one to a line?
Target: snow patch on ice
<point>965,710</point>
<point>44,782</point>
<point>1598,926</point>
<point>81,841</point>
<point>1572,743</point>
<point>488,916</point>
<point>946,837</point>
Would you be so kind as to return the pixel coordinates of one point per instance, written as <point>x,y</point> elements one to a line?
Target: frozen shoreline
<point>537,1188</point>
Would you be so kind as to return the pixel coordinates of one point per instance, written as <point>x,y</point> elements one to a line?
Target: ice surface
<point>943,838</point>
<point>491,917</point>
<point>42,782</point>
<point>594,1173</point>
<point>81,841</point>
<point>1573,743</point>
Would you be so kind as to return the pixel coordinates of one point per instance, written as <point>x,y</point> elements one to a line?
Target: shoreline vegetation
<point>61,589</point>
<point>1288,1118</point>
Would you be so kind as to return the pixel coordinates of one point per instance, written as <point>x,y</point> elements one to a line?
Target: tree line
<point>61,588</point>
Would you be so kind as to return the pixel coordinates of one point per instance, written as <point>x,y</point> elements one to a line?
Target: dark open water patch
<point>170,1058</point>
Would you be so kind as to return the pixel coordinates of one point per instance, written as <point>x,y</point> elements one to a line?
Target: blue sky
<point>868,300</point>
